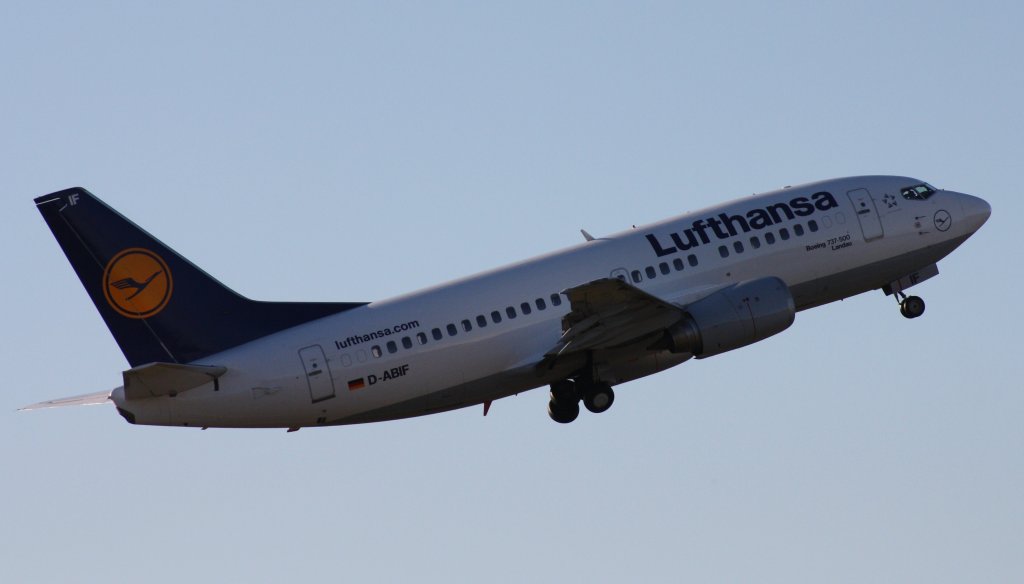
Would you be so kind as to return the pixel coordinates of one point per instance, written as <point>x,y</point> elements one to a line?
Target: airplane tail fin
<point>158,305</point>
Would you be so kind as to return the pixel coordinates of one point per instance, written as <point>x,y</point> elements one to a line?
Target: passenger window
<point>677,264</point>
<point>755,242</point>
<point>392,347</point>
<point>361,356</point>
<point>346,361</point>
<point>784,234</point>
<point>738,246</point>
<point>812,225</point>
<point>376,352</point>
<point>525,307</point>
<point>422,338</point>
<point>452,331</point>
<point>511,312</point>
<point>798,230</point>
<point>541,305</point>
<point>637,278</point>
<point>723,251</point>
<point>769,238</point>
<point>650,272</point>
<point>496,317</point>
<point>664,268</point>
<point>437,334</point>
<point>556,300</point>
<point>481,321</point>
<point>407,342</point>
<point>693,260</point>
<point>466,325</point>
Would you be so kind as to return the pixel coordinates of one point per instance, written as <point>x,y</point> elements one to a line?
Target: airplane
<point>581,320</point>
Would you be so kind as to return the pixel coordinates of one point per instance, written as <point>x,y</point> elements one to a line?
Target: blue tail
<point>158,305</point>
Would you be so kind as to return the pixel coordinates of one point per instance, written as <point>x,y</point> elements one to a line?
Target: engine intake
<point>733,317</point>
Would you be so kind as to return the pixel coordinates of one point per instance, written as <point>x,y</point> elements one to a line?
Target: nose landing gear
<point>911,306</point>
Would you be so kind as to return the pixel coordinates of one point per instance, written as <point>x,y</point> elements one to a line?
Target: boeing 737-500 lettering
<point>581,320</point>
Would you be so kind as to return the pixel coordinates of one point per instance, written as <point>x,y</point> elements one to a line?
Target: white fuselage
<point>341,369</point>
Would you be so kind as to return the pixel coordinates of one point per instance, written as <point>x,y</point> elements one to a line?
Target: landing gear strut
<point>911,306</point>
<point>566,395</point>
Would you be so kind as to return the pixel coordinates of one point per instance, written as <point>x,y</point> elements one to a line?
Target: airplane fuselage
<point>485,337</point>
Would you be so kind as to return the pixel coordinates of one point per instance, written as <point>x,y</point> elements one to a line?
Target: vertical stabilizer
<point>158,305</point>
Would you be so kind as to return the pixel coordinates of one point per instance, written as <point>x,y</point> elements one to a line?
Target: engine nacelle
<point>733,317</point>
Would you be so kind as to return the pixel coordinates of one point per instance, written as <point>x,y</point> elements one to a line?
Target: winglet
<point>586,235</point>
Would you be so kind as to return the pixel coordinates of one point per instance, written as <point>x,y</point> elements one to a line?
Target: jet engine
<point>733,317</point>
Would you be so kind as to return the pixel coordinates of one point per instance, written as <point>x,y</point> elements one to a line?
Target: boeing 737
<point>581,320</point>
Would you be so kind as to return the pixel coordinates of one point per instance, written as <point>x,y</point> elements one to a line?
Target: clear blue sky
<point>328,151</point>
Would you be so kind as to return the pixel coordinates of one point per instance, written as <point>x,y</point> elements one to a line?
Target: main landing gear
<point>911,306</point>
<point>567,394</point>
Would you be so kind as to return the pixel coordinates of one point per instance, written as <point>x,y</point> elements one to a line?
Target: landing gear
<point>563,413</point>
<point>566,395</point>
<point>598,397</point>
<point>564,406</point>
<point>911,306</point>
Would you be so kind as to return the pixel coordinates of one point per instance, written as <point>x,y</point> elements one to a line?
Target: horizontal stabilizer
<point>89,399</point>
<point>157,379</point>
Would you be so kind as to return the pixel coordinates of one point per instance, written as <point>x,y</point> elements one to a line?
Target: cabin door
<point>867,214</point>
<point>321,386</point>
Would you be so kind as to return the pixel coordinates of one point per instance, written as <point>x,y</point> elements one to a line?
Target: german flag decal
<point>356,384</point>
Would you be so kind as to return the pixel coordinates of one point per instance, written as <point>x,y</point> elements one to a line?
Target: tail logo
<point>137,283</point>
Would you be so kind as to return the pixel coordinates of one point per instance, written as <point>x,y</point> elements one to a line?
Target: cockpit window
<point>918,192</point>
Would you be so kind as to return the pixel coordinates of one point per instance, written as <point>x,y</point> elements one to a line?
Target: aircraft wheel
<point>564,392</point>
<point>912,307</point>
<point>599,397</point>
<point>563,413</point>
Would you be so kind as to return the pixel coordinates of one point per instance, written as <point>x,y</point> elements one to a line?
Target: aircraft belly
<point>868,277</point>
<point>463,395</point>
<point>624,368</point>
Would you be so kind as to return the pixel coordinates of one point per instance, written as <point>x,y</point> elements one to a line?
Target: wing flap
<point>610,313</point>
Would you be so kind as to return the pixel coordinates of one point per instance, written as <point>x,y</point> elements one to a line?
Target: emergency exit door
<point>321,386</point>
<point>867,214</point>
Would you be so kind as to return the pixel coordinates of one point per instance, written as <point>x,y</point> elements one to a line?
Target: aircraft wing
<point>89,399</point>
<point>609,313</point>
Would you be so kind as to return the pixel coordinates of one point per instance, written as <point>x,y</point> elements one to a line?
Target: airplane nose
<point>976,211</point>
